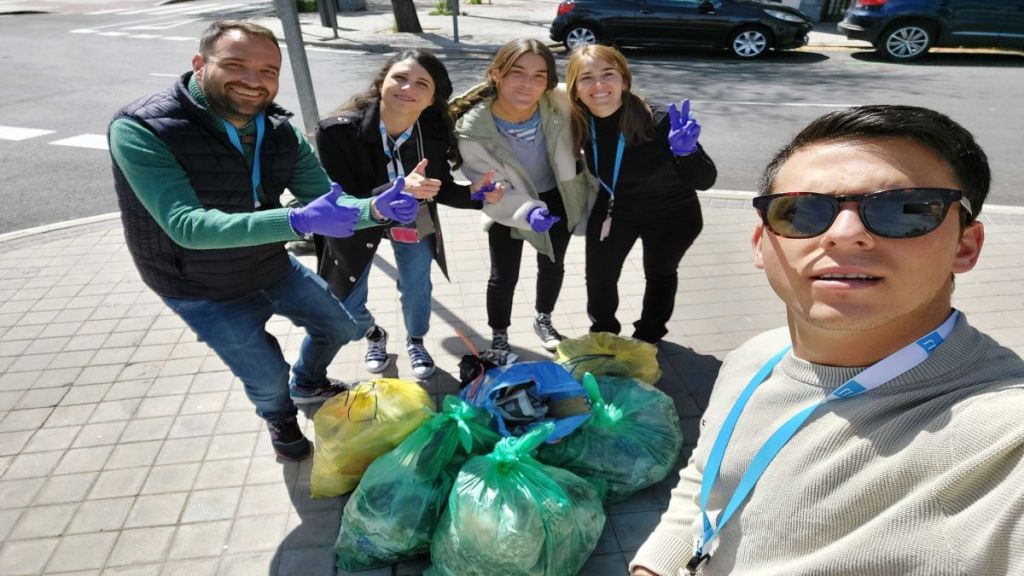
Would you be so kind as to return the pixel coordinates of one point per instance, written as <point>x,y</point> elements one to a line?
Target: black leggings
<point>506,256</point>
<point>665,240</point>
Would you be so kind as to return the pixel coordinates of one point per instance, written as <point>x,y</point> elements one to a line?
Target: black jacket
<point>222,180</point>
<point>352,153</point>
<point>652,181</point>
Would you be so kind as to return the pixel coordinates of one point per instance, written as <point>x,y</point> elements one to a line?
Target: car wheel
<point>905,42</point>
<point>748,43</point>
<point>580,35</point>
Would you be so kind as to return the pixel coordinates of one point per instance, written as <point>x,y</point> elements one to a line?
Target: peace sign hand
<point>683,129</point>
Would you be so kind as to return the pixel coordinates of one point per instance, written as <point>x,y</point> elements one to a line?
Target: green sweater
<point>923,476</point>
<point>163,187</point>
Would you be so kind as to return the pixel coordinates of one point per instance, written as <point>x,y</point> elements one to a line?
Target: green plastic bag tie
<point>599,410</point>
<point>512,449</point>
<point>461,412</point>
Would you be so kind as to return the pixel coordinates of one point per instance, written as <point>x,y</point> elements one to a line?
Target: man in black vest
<point>199,169</point>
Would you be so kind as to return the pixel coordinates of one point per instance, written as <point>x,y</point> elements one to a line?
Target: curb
<point>1013,212</point>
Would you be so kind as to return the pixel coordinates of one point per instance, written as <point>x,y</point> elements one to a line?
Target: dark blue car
<point>904,30</point>
<point>747,28</point>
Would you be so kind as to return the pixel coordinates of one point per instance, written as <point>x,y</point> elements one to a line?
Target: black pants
<point>665,239</point>
<point>506,256</point>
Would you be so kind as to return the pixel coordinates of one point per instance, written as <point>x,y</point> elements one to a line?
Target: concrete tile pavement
<point>127,448</point>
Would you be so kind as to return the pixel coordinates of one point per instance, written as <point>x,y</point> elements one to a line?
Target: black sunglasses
<point>899,213</point>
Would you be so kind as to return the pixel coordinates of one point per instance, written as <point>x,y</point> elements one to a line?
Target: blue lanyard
<point>870,378</point>
<point>237,142</point>
<point>619,149</point>
<point>394,163</point>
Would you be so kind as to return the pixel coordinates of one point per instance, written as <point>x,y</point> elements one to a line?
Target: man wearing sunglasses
<point>880,434</point>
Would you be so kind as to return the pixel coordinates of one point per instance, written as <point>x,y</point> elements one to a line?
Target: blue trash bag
<point>509,515</point>
<point>524,395</point>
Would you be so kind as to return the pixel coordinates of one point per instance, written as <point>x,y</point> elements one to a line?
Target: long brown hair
<point>635,122</point>
<point>437,111</point>
<point>502,63</point>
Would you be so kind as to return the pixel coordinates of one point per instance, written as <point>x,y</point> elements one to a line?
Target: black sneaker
<point>549,337</point>
<point>288,441</point>
<point>499,341</point>
<point>419,358</point>
<point>329,389</point>
<point>376,359</point>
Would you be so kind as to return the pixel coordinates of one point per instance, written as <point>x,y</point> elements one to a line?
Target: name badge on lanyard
<point>236,141</point>
<point>872,377</point>
<point>620,147</point>
<point>393,153</point>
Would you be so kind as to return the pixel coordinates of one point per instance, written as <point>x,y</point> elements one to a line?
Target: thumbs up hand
<point>417,183</point>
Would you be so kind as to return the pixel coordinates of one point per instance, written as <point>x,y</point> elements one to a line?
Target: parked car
<point>905,30</point>
<point>747,28</point>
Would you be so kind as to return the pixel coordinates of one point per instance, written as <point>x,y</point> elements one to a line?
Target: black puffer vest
<point>222,180</point>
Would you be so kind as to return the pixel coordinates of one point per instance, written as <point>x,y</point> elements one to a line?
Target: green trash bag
<point>392,513</point>
<point>509,515</point>
<point>607,354</point>
<point>631,441</point>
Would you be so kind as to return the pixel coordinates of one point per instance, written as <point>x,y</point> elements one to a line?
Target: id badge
<point>404,235</point>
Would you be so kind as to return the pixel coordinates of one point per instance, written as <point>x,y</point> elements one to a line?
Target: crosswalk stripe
<point>16,134</point>
<point>217,7</point>
<point>95,141</point>
<point>162,10</point>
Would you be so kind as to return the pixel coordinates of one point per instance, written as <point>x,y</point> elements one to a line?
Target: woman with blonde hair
<point>517,123</point>
<point>649,166</point>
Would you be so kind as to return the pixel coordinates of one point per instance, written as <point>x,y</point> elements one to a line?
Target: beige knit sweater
<point>922,476</point>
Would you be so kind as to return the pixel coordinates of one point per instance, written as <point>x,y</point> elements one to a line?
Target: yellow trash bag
<point>356,426</point>
<point>607,354</point>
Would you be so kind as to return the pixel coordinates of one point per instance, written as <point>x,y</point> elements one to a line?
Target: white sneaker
<point>376,359</point>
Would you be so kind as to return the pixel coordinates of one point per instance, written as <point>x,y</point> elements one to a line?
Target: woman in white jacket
<point>517,123</point>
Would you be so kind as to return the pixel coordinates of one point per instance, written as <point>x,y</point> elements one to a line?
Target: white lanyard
<point>870,378</point>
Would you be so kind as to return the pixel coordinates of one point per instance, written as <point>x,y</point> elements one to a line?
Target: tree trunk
<point>406,19</point>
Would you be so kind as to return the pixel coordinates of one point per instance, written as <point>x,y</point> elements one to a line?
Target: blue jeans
<point>413,263</point>
<point>236,330</point>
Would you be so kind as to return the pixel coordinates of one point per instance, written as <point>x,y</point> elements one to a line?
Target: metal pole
<point>332,9</point>
<point>289,16</point>
<point>455,20</point>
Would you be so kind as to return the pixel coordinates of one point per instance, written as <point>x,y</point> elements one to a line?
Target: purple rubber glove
<point>479,194</point>
<point>325,216</point>
<point>540,219</point>
<point>395,204</point>
<point>683,129</point>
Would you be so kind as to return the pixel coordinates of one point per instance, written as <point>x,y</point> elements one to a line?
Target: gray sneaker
<point>376,359</point>
<point>549,337</point>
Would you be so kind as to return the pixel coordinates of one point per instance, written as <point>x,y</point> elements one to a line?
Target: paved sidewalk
<point>126,447</point>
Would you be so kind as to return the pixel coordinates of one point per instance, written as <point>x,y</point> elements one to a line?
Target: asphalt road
<point>56,79</point>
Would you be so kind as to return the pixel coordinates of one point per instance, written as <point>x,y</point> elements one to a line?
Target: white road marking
<point>163,25</point>
<point>205,9</point>
<point>167,10</point>
<point>94,141</point>
<point>84,31</point>
<point>16,134</point>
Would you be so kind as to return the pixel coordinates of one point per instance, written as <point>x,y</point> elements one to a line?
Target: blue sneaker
<point>330,389</point>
